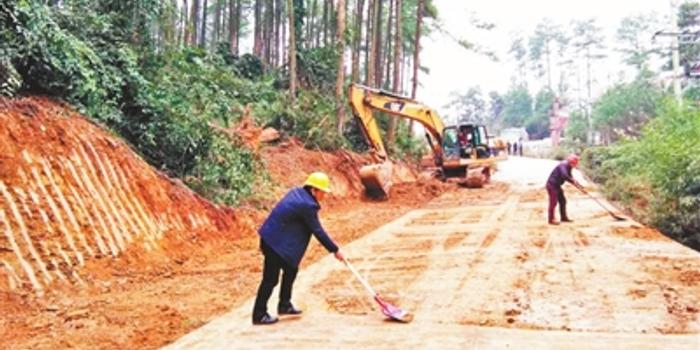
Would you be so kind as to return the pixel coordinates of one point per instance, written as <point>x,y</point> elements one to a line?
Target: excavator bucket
<point>474,179</point>
<point>477,177</point>
<point>377,179</point>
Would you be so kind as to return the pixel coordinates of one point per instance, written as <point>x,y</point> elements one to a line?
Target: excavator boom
<point>364,102</point>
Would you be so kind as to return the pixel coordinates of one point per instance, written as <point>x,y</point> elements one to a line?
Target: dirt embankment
<point>98,250</point>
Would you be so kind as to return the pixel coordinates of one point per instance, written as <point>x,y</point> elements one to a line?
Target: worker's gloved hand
<point>338,255</point>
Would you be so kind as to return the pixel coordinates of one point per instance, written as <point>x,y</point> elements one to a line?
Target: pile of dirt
<point>247,132</point>
<point>99,250</point>
<point>639,232</point>
<point>342,166</point>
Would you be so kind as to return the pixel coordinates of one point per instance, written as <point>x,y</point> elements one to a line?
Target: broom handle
<point>359,278</point>
<point>595,199</point>
<point>580,188</point>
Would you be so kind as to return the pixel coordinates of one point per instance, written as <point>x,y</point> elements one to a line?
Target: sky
<point>452,68</point>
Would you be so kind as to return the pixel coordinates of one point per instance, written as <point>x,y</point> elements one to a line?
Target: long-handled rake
<point>388,309</point>
<point>615,216</point>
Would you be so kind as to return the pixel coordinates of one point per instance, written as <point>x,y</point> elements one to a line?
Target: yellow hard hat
<point>319,180</point>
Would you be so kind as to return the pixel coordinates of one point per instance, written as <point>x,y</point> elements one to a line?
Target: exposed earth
<point>481,269</point>
<point>100,251</point>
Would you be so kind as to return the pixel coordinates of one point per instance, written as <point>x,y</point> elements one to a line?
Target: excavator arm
<point>364,102</point>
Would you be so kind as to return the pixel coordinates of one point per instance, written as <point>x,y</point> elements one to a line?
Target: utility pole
<point>589,117</point>
<point>675,52</point>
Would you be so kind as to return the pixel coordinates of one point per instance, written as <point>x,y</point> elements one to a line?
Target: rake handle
<point>598,201</point>
<point>617,217</point>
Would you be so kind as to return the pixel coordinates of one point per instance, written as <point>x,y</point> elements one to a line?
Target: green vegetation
<point>657,175</point>
<point>161,104</point>
<point>537,124</point>
<point>649,161</point>
<point>163,97</point>
<point>624,109</point>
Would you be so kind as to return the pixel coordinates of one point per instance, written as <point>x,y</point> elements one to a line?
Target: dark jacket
<point>560,174</point>
<point>290,225</point>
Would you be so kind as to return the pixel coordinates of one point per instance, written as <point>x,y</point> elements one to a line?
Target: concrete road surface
<point>480,269</point>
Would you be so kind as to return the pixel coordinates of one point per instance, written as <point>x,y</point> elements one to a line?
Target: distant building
<point>514,134</point>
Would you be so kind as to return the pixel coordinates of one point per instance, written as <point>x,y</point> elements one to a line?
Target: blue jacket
<point>560,174</point>
<point>290,225</point>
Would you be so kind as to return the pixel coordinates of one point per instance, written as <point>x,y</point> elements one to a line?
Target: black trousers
<point>271,273</point>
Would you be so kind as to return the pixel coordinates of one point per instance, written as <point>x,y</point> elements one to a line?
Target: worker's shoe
<point>264,319</point>
<point>566,220</point>
<point>288,310</point>
<point>553,222</point>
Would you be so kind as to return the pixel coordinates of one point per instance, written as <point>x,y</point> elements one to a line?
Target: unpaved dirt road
<point>489,273</point>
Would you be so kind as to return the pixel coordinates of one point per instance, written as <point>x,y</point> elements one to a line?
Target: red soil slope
<point>74,195</point>
<point>99,250</point>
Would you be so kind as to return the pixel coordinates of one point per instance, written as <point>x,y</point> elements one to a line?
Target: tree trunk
<point>416,56</point>
<point>405,65</point>
<point>332,21</point>
<point>203,40</point>
<point>416,52</point>
<point>234,15</point>
<point>372,49</point>
<point>292,52</point>
<point>387,46</point>
<point>264,34</point>
<point>195,23</point>
<point>269,31</point>
<point>357,40</point>
<point>284,40</point>
<point>325,22</point>
<point>397,48</point>
<point>217,22</point>
<point>311,30</point>
<point>340,84</point>
<point>368,40</point>
<point>225,18</point>
<point>257,29</point>
<point>278,32</point>
<point>185,23</point>
<point>378,61</point>
<point>174,25</point>
<point>397,68</point>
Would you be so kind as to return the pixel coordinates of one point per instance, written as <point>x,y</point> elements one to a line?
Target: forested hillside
<point>168,76</point>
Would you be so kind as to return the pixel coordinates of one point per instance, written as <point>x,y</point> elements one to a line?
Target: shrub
<point>161,103</point>
<point>101,57</point>
<point>224,172</point>
<point>657,175</point>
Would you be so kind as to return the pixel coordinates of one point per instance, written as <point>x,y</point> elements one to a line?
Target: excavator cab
<point>466,141</point>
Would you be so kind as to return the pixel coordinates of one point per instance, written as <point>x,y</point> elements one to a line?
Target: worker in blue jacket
<point>284,237</point>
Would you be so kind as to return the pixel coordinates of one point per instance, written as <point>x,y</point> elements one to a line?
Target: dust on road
<point>482,269</point>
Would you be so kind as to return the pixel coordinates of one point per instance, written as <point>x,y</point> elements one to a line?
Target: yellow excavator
<point>459,151</point>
